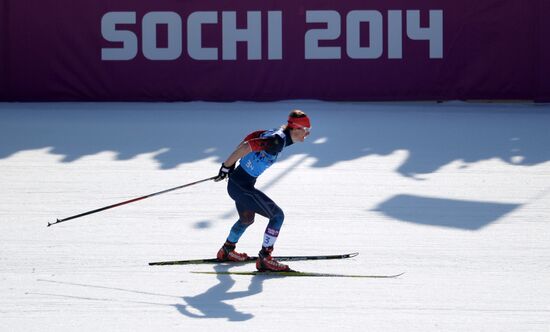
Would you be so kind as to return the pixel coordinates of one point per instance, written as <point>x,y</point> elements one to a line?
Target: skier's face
<point>300,134</point>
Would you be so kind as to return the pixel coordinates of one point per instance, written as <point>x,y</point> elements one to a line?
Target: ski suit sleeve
<point>256,142</point>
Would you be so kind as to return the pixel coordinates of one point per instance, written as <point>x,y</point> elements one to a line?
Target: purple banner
<point>542,63</point>
<point>270,50</point>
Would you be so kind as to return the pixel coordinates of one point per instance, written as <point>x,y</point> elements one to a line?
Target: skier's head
<point>299,125</point>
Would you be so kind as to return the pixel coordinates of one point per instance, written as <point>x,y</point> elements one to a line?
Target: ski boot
<point>266,263</point>
<point>227,253</point>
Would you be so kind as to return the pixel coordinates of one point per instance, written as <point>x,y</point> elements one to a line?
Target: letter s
<point>110,33</point>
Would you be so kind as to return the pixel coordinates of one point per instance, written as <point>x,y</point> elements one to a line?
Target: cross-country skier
<point>257,152</point>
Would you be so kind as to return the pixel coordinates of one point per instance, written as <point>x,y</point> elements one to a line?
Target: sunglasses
<point>306,129</point>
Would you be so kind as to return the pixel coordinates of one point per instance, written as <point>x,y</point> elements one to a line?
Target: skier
<point>257,152</point>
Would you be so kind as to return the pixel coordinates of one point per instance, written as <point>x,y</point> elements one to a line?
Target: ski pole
<point>129,201</point>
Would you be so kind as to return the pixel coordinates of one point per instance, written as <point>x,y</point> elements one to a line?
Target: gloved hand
<point>224,172</point>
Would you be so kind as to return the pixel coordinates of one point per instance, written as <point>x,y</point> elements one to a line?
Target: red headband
<point>298,122</point>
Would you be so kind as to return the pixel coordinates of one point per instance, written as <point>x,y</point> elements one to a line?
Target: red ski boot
<point>266,263</point>
<point>227,253</point>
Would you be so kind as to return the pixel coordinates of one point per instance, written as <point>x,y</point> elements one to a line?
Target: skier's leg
<point>246,218</point>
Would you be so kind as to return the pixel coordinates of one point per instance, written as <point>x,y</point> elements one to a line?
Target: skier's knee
<point>278,216</point>
<point>247,217</point>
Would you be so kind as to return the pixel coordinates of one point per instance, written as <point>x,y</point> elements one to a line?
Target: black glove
<point>224,172</point>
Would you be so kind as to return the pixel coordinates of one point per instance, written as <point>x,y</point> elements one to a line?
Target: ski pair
<point>276,274</point>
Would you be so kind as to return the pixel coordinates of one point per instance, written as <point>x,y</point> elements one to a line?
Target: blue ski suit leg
<point>250,201</point>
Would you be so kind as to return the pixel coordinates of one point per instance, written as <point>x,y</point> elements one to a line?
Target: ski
<point>253,259</point>
<point>297,274</point>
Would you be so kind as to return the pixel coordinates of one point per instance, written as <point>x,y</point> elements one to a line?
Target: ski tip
<point>205,272</point>
<point>353,254</point>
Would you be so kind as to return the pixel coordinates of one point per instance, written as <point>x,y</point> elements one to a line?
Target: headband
<point>302,122</point>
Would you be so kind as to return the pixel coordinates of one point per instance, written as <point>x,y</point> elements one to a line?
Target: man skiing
<point>257,152</point>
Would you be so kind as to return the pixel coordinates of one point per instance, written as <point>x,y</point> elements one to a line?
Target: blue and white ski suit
<point>266,146</point>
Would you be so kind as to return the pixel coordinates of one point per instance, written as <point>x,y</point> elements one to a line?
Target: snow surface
<point>456,195</point>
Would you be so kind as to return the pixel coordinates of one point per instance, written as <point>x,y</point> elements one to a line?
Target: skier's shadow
<point>212,303</point>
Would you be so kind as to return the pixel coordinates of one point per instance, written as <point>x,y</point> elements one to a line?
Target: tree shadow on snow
<point>178,133</point>
<point>469,215</point>
<point>174,134</point>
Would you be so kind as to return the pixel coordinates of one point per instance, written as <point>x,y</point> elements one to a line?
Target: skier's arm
<point>229,164</point>
<point>242,150</point>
